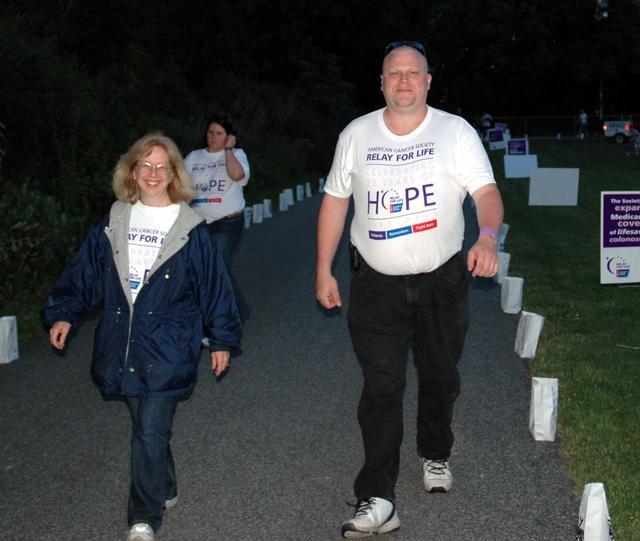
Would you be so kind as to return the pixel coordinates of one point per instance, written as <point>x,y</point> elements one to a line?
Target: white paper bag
<point>543,413</point>
<point>258,213</point>
<point>266,204</point>
<point>282,202</point>
<point>502,236</point>
<point>321,185</point>
<point>511,294</point>
<point>248,213</point>
<point>503,267</point>
<point>300,192</point>
<point>8,339</point>
<point>307,189</point>
<point>594,522</point>
<point>288,193</point>
<point>529,329</point>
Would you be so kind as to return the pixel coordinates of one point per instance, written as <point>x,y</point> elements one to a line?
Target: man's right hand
<point>327,291</point>
<point>331,218</point>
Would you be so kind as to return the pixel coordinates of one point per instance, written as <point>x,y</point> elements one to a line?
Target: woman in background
<point>218,174</point>
<point>152,268</point>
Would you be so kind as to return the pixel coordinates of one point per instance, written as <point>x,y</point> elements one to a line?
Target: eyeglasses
<point>406,43</point>
<point>160,169</point>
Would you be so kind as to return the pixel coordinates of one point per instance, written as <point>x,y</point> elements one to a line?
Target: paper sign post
<point>288,193</point>
<point>554,186</point>
<point>248,215</point>
<point>543,413</point>
<point>518,147</point>
<point>504,259</point>
<point>8,339</point>
<point>527,335</point>
<point>282,202</point>
<point>511,294</point>
<point>267,208</point>
<point>497,139</point>
<point>502,236</point>
<point>594,522</point>
<point>258,213</point>
<point>519,166</point>
<point>619,237</point>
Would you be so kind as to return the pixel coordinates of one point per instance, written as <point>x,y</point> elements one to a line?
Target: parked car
<point>620,130</point>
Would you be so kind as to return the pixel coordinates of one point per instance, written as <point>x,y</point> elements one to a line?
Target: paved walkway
<point>270,451</point>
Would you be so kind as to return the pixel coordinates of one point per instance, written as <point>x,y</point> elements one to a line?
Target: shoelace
<point>361,507</point>
<point>436,467</point>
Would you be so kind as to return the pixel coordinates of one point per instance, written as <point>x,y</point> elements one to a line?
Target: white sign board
<point>619,237</point>
<point>498,139</point>
<point>554,186</point>
<point>518,147</point>
<point>519,166</point>
<point>8,339</point>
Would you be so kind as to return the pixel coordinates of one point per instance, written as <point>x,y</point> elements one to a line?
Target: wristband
<point>228,148</point>
<point>489,231</point>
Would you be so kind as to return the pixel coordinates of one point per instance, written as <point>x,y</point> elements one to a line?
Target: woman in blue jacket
<point>151,267</point>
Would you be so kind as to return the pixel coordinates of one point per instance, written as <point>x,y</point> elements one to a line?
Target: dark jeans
<point>387,316</point>
<point>226,234</point>
<point>153,477</point>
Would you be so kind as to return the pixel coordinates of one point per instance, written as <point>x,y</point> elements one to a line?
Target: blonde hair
<point>124,184</point>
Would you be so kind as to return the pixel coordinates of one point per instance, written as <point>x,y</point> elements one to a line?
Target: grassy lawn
<point>587,325</point>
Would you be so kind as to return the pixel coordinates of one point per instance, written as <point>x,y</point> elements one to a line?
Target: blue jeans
<point>226,234</point>
<point>153,477</point>
<point>388,316</point>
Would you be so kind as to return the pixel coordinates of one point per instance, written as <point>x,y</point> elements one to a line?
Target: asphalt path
<point>269,451</point>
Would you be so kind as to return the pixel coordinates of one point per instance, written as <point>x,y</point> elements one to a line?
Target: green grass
<point>556,250</point>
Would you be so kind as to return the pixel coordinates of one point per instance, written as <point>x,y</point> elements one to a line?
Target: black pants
<point>387,316</point>
<point>226,234</point>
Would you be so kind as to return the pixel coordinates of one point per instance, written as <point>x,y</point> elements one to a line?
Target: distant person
<point>583,123</point>
<point>408,168</point>
<point>218,174</point>
<point>635,140</point>
<point>486,121</point>
<point>150,267</point>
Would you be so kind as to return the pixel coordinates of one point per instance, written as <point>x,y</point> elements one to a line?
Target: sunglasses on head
<point>405,43</point>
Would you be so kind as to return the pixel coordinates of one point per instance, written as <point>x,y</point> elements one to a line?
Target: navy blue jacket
<point>152,347</point>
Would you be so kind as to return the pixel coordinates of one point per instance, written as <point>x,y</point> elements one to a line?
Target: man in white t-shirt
<point>408,168</point>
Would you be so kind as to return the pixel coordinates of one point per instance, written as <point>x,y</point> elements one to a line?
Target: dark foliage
<point>80,81</point>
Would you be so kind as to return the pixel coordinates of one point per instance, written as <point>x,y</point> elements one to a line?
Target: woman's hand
<point>219,361</point>
<point>231,141</point>
<point>58,334</point>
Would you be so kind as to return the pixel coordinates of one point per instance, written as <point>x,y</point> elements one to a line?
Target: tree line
<point>80,81</point>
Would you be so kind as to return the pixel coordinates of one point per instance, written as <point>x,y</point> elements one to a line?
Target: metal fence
<point>551,126</point>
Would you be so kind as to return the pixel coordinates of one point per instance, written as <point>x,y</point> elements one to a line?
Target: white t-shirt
<point>148,228</point>
<point>215,194</point>
<point>408,189</point>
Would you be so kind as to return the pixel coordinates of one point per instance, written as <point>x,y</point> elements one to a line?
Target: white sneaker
<point>373,516</point>
<point>172,502</point>
<point>437,475</point>
<point>141,532</point>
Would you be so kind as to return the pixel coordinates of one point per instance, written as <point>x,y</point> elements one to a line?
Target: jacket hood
<point>118,229</point>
